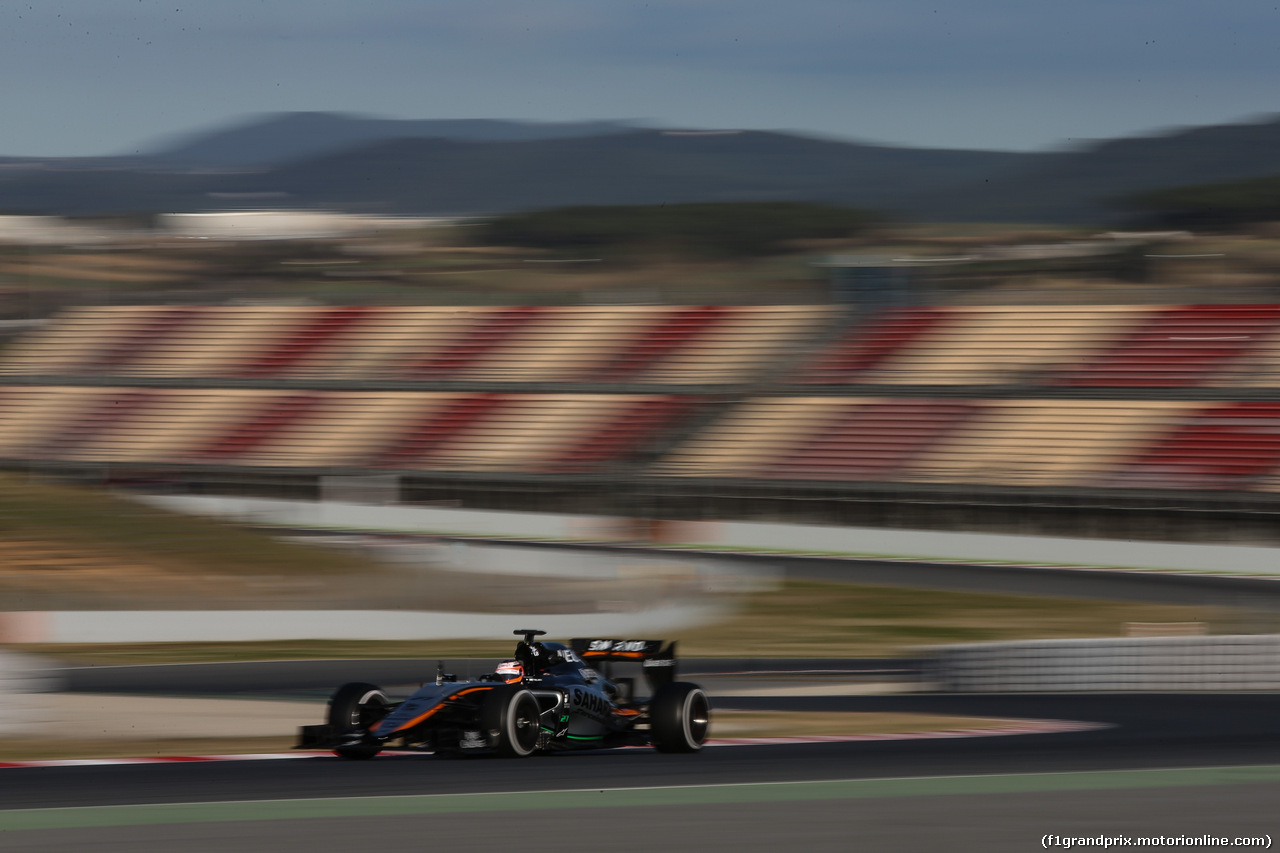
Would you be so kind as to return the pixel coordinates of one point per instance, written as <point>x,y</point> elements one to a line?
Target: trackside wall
<point>1162,664</point>
<point>1241,559</point>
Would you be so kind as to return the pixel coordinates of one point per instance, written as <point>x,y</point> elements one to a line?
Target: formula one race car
<point>547,698</point>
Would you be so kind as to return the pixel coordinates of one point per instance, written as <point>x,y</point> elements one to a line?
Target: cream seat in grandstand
<point>746,341</point>
<point>172,425</point>
<point>992,345</point>
<point>1046,442</point>
<point>74,341</point>
<point>345,426</point>
<point>562,345</point>
<point>750,437</point>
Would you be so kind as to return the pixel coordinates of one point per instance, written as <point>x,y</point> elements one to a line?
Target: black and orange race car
<point>548,697</point>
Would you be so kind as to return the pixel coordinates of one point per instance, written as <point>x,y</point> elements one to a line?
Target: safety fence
<point>1123,664</point>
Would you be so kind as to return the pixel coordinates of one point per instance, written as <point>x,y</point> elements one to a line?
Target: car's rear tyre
<point>356,706</point>
<point>510,716</point>
<point>679,717</point>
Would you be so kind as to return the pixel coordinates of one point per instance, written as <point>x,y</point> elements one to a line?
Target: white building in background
<point>235,225</point>
<point>221,226</point>
<point>50,231</point>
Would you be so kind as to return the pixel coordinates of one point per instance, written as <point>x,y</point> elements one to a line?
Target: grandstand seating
<point>863,349</point>
<point>1001,345</point>
<point>169,425</point>
<point>491,330</point>
<point>546,433</point>
<point>629,427</point>
<point>277,414</point>
<point>1218,446</point>
<point>392,344</point>
<point>211,341</point>
<point>693,392</point>
<point>558,345</point>
<point>72,342</point>
<point>967,345</point>
<point>33,413</point>
<point>633,344</point>
<point>149,324</point>
<point>1178,346</point>
<point>1256,366</point>
<point>741,344</point>
<point>343,431</point>
<point>1065,443</point>
<point>1081,346</point>
<point>870,440</point>
<point>527,433</point>
<point>749,436</point>
<point>442,425</point>
<point>317,331</point>
<point>1001,442</point>
<point>108,409</point>
<point>669,334</point>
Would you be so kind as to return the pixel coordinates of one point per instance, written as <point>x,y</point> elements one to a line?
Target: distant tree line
<point>726,229</point>
<point>1211,206</point>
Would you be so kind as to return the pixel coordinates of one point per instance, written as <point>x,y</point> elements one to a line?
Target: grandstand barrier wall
<point>1155,664</point>
<point>803,538</point>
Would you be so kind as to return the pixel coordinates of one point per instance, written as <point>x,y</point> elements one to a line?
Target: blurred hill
<point>504,170</point>
<point>642,167</point>
<point>282,137</point>
<point>469,167</point>
<point>1084,185</point>
<point>1221,206</point>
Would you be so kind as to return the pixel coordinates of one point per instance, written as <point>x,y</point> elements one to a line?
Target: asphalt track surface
<point>1146,731</point>
<point>1176,764</point>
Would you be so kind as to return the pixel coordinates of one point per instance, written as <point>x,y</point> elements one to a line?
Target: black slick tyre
<point>510,717</point>
<point>356,706</point>
<point>679,717</point>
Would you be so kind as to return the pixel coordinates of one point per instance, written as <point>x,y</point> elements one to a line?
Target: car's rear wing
<point>659,661</point>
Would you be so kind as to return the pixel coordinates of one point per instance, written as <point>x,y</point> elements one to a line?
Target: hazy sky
<point>83,77</point>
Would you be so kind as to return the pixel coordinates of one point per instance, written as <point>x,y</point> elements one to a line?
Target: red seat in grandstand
<point>628,429</point>
<point>1218,446</point>
<point>671,331</point>
<point>871,440</point>
<point>1178,346</point>
<point>491,331</point>
<point>864,348</point>
<point>320,328</point>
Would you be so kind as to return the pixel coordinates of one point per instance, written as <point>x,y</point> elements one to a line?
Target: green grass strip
<point>508,801</point>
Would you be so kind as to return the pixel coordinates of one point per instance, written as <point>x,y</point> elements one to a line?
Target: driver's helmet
<point>510,671</point>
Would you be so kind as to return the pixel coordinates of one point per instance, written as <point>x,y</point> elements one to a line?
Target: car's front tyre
<point>510,716</point>
<point>352,709</point>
